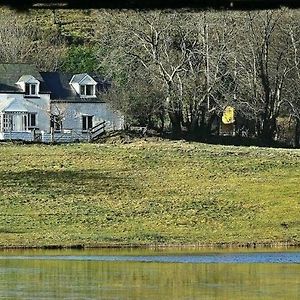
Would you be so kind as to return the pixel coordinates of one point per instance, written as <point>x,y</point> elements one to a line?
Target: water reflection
<point>279,257</point>
<point>86,279</point>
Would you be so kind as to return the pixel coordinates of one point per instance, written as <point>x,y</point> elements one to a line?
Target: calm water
<point>149,274</point>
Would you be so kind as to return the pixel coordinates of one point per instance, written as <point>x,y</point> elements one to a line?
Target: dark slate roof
<point>11,73</point>
<point>61,90</point>
<point>79,77</point>
<point>55,83</point>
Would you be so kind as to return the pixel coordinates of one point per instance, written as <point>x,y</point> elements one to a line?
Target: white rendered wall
<point>42,106</point>
<point>25,136</point>
<point>73,112</point>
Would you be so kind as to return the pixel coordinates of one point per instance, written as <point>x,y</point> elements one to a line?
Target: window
<point>30,121</point>
<point>7,122</point>
<point>56,122</point>
<point>87,122</point>
<point>30,89</point>
<point>87,90</point>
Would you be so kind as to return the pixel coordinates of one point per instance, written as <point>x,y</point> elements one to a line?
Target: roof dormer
<point>30,85</point>
<point>84,85</point>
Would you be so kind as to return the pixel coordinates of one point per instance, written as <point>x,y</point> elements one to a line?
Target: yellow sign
<point>228,115</point>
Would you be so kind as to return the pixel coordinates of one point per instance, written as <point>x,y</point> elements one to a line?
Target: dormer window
<point>30,89</point>
<point>29,85</point>
<point>87,90</point>
<point>84,85</point>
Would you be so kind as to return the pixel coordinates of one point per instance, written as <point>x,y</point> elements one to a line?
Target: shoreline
<point>217,245</point>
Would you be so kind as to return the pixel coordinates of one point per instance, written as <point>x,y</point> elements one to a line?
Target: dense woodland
<point>175,71</point>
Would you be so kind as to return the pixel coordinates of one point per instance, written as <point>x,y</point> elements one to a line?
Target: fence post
<point>51,134</point>
<point>89,135</point>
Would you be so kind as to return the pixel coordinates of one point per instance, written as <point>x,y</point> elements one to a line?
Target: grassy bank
<point>155,192</point>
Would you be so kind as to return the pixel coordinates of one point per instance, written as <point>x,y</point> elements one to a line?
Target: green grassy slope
<point>147,193</point>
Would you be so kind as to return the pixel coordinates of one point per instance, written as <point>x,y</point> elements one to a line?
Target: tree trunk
<point>297,134</point>
<point>205,126</point>
<point>150,123</point>
<point>193,126</point>
<point>268,130</point>
<point>162,122</point>
<point>175,119</point>
<point>210,123</point>
<point>202,127</point>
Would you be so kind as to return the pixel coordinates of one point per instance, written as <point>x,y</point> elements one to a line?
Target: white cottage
<point>51,105</point>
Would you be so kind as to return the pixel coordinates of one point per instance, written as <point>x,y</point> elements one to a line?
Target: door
<point>18,122</point>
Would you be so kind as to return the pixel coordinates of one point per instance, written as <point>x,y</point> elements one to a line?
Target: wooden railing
<point>97,130</point>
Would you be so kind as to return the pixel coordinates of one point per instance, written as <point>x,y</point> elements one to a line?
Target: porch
<point>16,121</point>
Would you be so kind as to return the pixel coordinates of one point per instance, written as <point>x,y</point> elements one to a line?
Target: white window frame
<point>7,122</point>
<point>31,85</point>
<point>84,87</point>
<point>29,124</point>
<point>85,122</point>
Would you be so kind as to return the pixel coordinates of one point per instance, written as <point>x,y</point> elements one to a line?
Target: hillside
<point>147,192</point>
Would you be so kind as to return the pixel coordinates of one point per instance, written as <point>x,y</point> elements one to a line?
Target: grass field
<point>147,192</point>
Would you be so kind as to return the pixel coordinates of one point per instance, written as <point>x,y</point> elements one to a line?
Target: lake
<point>150,274</point>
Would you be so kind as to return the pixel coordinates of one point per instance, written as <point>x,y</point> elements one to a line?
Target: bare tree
<point>210,79</point>
<point>293,99</point>
<point>203,62</point>
<point>22,40</point>
<point>159,43</point>
<point>183,55</point>
<point>263,68</point>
